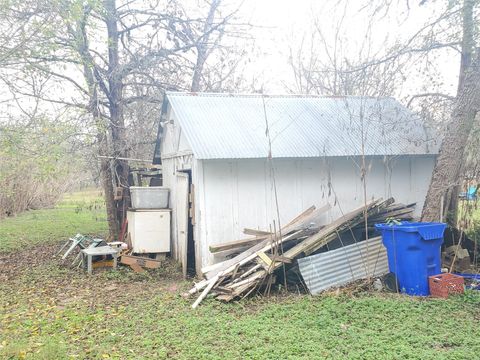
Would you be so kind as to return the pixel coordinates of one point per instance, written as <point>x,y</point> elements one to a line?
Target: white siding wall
<point>232,195</point>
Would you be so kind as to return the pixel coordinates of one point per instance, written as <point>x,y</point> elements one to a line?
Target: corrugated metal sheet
<point>222,126</point>
<point>344,265</point>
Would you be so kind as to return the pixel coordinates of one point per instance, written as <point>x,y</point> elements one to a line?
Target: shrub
<point>37,165</point>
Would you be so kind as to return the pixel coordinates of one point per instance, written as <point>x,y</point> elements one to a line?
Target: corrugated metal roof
<point>344,265</point>
<point>222,126</point>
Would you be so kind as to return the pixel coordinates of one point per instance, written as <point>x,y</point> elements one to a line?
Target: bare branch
<point>431,94</point>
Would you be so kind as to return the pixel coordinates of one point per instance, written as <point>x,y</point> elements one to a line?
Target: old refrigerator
<point>149,230</point>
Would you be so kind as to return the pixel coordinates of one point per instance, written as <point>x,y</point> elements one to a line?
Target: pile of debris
<point>459,251</point>
<point>268,253</point>
<point>105,254</point>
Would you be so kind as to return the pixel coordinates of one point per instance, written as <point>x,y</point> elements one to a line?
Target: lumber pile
<point>255,268</point>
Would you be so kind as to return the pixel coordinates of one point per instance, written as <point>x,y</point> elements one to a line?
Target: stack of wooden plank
<point>267,252</point>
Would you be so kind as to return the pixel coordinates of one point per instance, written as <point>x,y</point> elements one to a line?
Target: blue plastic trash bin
<point>413,250</point>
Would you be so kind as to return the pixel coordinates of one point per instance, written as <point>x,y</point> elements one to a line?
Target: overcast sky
<point>283,23</point>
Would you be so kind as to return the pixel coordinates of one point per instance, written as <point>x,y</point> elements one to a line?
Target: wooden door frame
<point>182,248</point>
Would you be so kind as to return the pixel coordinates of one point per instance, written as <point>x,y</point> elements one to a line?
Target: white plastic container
<point>152,197</point>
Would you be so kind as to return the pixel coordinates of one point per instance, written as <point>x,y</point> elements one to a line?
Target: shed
<point>227,157</point>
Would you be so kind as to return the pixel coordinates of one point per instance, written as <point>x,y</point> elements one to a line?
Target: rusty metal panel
<point>341,266</point>
<point>226,126</point>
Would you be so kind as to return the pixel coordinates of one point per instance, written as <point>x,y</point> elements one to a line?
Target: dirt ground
<point>47,275</point>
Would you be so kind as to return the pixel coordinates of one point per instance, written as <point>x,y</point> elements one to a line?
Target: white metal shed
<point>215,153</point>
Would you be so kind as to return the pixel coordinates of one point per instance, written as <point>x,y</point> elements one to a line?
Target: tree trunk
<point>202,47</point>
<point>102,128</point>
<point>468,43</point>
<point>105,167</point>
<point>107,184</point>
<point>115,106</point>
<point>115,84</point>
<point>449,162</point>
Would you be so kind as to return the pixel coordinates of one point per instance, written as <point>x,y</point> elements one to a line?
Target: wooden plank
<point>247,273</point>
<point>205,291</point>
<point>215,248</point>
<point>225,297</point>
<point>264,257</point>
<point>228,254</point>
<point>398,206</point>
<point>221,289</point>
<point>102,263</point>
<point>235,271</point>
<point>268,247</point>
<point>137,268</point>
<point>255,232</point>
<point>282,259</point>
<point>140,261</point>
<point>196,288</point>
<point>249,280</point>
<point>307,212</point>
<point>265,261</point>
<point>394,213</point>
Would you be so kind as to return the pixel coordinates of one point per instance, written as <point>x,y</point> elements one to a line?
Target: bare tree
<point>106,56</point>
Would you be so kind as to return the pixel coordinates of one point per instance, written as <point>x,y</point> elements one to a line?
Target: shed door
<point>181,205</point>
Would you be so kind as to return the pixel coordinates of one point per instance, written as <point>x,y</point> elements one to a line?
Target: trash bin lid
<point>427,230</point>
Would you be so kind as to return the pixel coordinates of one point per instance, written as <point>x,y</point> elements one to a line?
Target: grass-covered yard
<point>82,212</point>
<point>51,311</point>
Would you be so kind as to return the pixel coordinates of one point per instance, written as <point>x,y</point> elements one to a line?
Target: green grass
<point>52,311</point>
<point>82,212</point>
<point>163,325</point>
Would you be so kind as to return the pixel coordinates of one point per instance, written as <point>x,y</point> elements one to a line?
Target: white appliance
<point>149,230</point>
